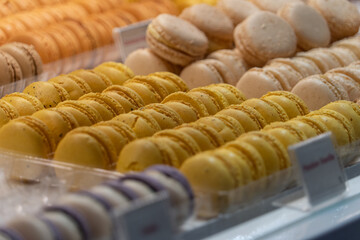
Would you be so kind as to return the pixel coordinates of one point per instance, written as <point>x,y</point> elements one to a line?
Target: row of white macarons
<point>89,214</point>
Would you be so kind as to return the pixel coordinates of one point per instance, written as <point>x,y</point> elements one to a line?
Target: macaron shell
<point>28,225</point>
<point>342,16</point>
<point>58,121</point>
<point>165,116</point>
<point>349,110</point>
<point>292,104</point>
<point>116,72</point>
<point>10,68</point>
<point>338,124</point>
<point>257,82</point>
<point>75,87</point>
<point>144,90</point>
<point>271,5</point>
<point>127,97</point>
<point>309,126</point>
<point>27,57</point>
<point>145,61</point>
<point>50,94</point>
<point>185,110</point>
<point>24,103</point>
<point>350,85</point>
<point>87,147</point>
<point>271,111</point>
<point>142,123</point>
<point>173,78</point>
<point>96,81</point>
<point>231,93</point>
<point>84,114</point>
<point>7,112</point>
<point>249,118</point>
<point>304,20</point>
<point>237,10</point>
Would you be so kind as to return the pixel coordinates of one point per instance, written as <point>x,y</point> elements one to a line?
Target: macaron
<point>92,209</point>
<point>310,26</point>
<point>348,109</point>
<point>233,60</point>
<point>178,187</point>
<point>271,111</point>
<point>291,103</point>
<point>249,118</point>
<point>271,5</point>
<point>323,58</point>
<point>237,10</point>
<point>27,135</point>
<point>143,185</point>
<point>258,37</point>
<point>7,233</point>
<point>228,127</point>
<point>311,127</point>
<point>75,86</point>
<point>153,83</point>
<point>50,94</point>
<point>65,225</point>
<point>304,66</point>
<point>113,108</point>
<point>127,97</point>
<point>24,104</point>
<point>318,90</point>
<point>7,112</point>
<point>216,25</point>
<point>287,75</point>
<point>258,81</point>
<point>350,85</point>
<point>344,55</point>
<point>145,90</point>
<point>251,156</point>
<point>272,151</point>
<point>213,100</point>
<point>88,147</point>
<point>58,121</point>
<point>351,71</point>
<point>144,61</point>
<point>193,103</point>
<point>84,114</point>
<point>164,115</point>
<point>205,136</point>
<point>130,158</point>
<point>176,40</point>
<point>231,93</point>
<point>10,68</point>
<point>342,17</point>
<point>352,43</point>
<point>31,225</point>
<point>173,78</point>
<point>116,72</point>
<point>97,81</point>
<point>286,133</point>
<point>142,123</point>
<point>206,72</point>
<point>119,133</point>
<point>26,56</point>
<point>338,124</point>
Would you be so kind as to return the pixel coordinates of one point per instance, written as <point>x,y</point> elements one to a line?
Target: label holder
<point>320,175</point>
<point>130,38</point>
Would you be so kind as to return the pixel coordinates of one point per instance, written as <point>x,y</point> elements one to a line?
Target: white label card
<point>148,220</point>
<point>320,170</point>
<point>130,38</point>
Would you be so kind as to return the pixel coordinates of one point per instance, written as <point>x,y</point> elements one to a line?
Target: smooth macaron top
<point>264,36</point>
<point>237,10</point>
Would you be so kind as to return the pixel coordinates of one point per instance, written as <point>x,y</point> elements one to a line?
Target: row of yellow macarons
<point>259,154</point>
<point>52,124</point>
<point>41,95</point>
<point>173,147</point>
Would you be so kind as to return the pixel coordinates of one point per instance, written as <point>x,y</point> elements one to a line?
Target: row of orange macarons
<point>71,28</point>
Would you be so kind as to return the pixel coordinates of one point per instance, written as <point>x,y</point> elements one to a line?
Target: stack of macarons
<point>18,61</point>
<point>42,95</point>
<point>259,36</point>
<point>49,126</point>
<point>15,6</point>
<point>259,154</point>
<point>100,145</point>
<point>285,73</point>
<point>89,214</point>
<point>71,28</point>
<point>336,84</point>
<point>173,147</point>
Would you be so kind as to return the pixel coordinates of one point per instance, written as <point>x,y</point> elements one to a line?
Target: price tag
<point>130,38</point>
<point>320,170</point>
<point>147,220</point>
